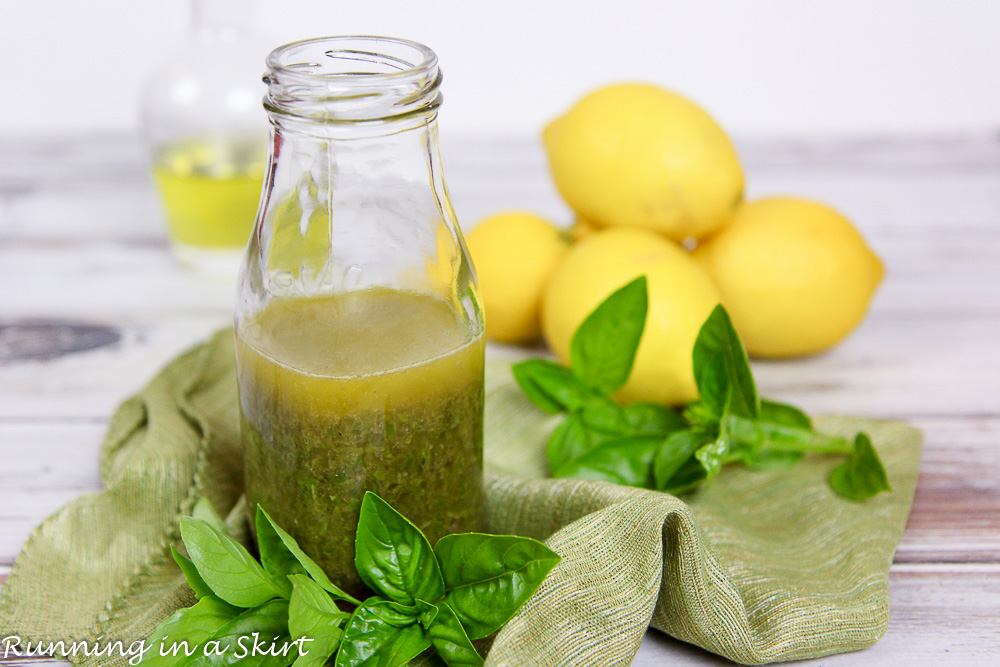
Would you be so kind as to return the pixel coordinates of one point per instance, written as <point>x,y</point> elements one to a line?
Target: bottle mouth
<point>352,79</point>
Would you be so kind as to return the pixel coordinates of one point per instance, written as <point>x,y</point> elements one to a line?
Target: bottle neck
<point>352,87</point>
<point>354,197</point>
<point>222,20</point>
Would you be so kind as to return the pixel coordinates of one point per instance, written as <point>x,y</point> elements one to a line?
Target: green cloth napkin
<point>760,567</point>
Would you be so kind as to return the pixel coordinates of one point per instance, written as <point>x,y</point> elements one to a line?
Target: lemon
<point>638,155</point>
<point>514,254</point>
<point>795,275</point>
<point>681,296</point>
<point>581,229</point>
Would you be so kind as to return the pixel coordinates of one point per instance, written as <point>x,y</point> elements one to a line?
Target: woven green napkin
<point>759,567</point>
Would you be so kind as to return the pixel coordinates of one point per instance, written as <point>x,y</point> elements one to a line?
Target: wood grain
<point>956,509</point>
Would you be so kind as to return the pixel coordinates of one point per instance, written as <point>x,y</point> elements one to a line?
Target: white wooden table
<point>82,248</point>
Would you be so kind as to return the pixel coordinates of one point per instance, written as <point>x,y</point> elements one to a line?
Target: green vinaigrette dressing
<point>376,390</point>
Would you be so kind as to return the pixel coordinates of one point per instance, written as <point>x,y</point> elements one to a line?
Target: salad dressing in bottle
<point>359,329</point>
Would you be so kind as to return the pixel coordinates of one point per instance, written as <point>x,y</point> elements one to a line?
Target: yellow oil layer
<point>358,350</point>
<point>210,193</point>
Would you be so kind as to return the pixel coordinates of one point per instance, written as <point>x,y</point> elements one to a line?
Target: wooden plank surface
<point>93,306</point>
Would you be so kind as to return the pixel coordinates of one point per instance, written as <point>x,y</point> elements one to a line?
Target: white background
<point>762,67</point>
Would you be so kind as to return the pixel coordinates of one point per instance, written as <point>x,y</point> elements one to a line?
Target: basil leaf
<point>309,566</point>
<point>426,613</point>
<point>652,419</point>
<point>549,385</point>
<point>743,433</point>
<point>204,510</point>
<point>604,415</point>
<point>381,633</point>
<point>193,626</point>
<point>782,413</point>
<point>312,614</point>
<point>247,640</point>
<point>277,560</point>
<point>190,572</point>
<point>308,599</point>
<point>722,370</point>
<point>862,475</point>
<point>226,566</point>
<point>700,416</point>
<point>570,439</point>
<point>489,577</point>
<point>627,461</point>
<point>712,456</point>
<point>678,449</point>
<point>393,557</point>
<point>450,639</point>
<point>687,478</point>
<point>603,348</point>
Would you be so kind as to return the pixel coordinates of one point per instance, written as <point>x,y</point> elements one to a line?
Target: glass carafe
<point>359,330</point>
<point>207,134</point>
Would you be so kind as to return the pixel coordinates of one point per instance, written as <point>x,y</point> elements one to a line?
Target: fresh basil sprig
<point>653,446</point>
<point>587,443</point>
<point>466,587</point>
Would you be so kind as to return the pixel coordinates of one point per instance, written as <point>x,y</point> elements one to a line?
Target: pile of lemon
<point>651,175</point>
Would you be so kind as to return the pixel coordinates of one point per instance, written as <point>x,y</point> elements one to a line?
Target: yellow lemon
<point>514,254</point>
<point>681,296</point>
<point>641,156</point>
<point>795,275</point>
<point>581,229</point>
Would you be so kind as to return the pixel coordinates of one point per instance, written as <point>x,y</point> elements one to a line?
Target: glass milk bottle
<point>207,135</point>
<point>358,327</point>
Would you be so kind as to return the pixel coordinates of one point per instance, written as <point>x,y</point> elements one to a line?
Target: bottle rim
<point>278,59</point>
<point>352,78</point>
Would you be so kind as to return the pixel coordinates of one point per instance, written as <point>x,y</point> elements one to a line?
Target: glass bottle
<point>207,134</point>
<point>359,330</point>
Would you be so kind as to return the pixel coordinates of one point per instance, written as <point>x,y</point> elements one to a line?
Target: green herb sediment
<point>655,447</point>
<point>466,587</point>
<point>312,474</point>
